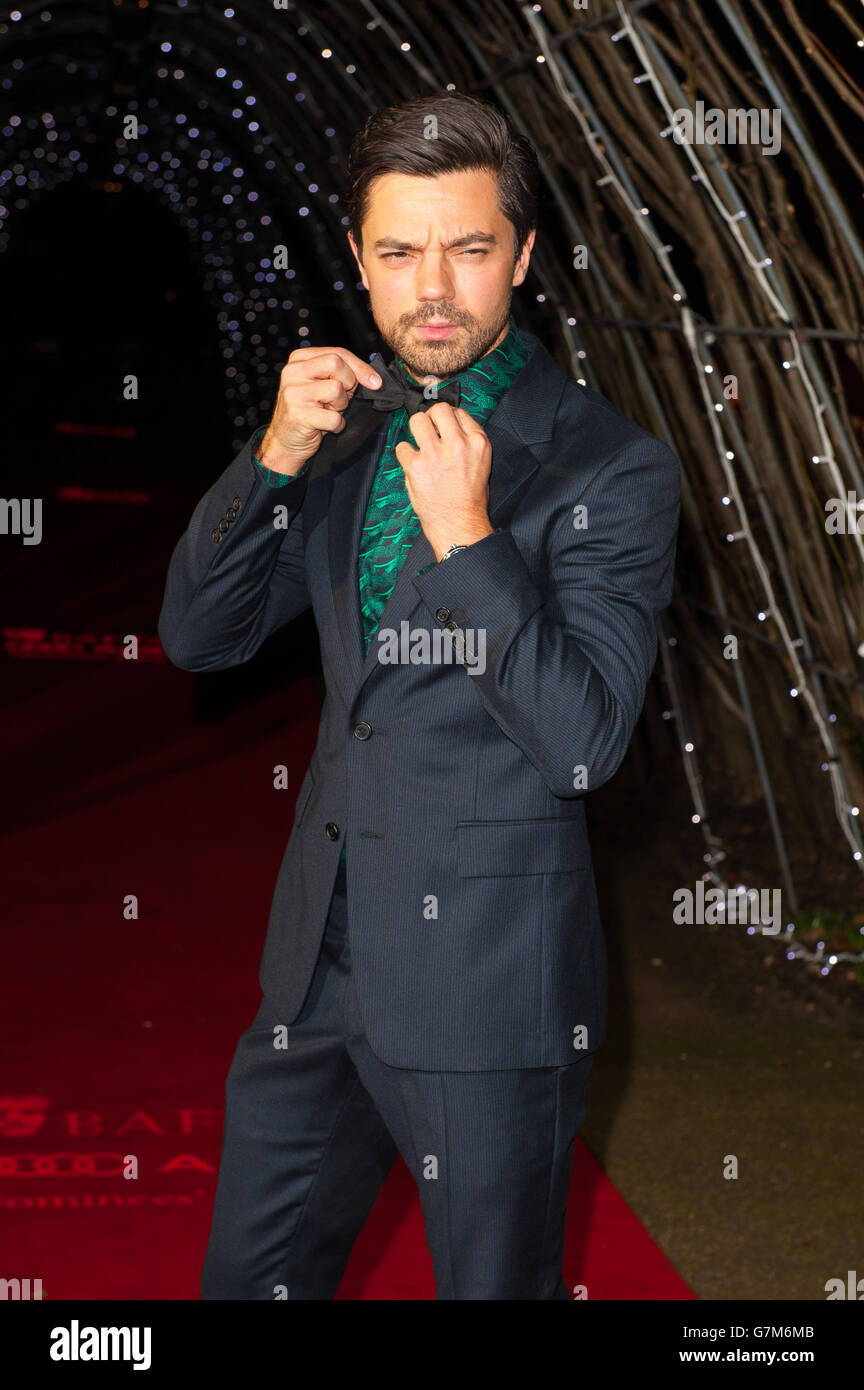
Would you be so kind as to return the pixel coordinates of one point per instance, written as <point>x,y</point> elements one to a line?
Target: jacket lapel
<point>349,492</point>
<point>523,420</point>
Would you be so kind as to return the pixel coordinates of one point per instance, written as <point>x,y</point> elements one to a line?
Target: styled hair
<point>442,134</point>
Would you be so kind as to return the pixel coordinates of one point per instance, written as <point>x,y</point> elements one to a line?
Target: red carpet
<point>117,1030</point>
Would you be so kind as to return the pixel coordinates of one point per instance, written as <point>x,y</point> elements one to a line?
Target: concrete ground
<point>718,1046</point>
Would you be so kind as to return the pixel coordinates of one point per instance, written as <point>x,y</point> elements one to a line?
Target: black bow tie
<point>395,391</point>
<point>363,415</point>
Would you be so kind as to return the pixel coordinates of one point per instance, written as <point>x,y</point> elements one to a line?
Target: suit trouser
<point>313,1127</point>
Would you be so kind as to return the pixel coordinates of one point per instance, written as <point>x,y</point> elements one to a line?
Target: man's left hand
<point>447,476</point>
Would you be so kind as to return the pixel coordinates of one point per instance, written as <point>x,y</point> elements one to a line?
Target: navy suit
<point>470,938</point>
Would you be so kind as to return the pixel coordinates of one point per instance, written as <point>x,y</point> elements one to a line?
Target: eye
<point>472,251</point>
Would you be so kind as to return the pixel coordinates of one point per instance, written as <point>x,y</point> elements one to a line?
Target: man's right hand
<point>315,387</point>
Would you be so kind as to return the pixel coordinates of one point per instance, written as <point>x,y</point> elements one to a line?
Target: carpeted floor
<point>118,1027</point>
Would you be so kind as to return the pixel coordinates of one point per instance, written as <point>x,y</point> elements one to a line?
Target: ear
<point>352,243</point>
<point>520,269</point>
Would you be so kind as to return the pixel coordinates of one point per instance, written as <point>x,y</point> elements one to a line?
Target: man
<point>485,568</point>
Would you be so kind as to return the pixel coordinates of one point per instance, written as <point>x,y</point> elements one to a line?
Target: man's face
<point>439,250</point>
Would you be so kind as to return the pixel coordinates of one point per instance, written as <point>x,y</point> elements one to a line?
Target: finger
<point>329,366</point>
<point>328,392</point>
<point>422,427</point>
<point>446,420</point>
<point>331,421</point>
<point>334,361</point>
<point>467,421</point>
<point>410,452</point>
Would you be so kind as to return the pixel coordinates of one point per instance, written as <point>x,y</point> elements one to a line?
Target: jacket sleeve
<point>238,572</point>
<point>566,667</point>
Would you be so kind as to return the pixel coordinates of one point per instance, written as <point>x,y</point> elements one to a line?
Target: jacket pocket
<point>491,848</point>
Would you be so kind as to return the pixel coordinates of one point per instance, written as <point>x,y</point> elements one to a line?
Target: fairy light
<point>827,455</point>
<point>228,214</point>
<point>224,220</point>
<point>759,265</point>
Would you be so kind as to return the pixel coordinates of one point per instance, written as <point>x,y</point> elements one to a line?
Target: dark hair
<point>469,134</point>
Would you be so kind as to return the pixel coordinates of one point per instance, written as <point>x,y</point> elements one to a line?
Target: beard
<point>443,359</point>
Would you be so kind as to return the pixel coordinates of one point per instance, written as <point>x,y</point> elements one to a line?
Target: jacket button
<point>363,730</point>
<point>452,626</point>
<point>216,535</point>
<point>442,614</point>
<point>237,503</point>
<point>331,830</point>
<point>224,524</point>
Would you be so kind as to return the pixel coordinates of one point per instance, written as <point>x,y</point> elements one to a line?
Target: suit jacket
<point>476,940</point>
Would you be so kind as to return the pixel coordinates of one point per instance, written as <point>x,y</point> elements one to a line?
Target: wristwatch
<point>451,551</point>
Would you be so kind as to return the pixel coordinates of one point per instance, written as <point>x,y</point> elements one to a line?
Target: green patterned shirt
<point>391,525</point>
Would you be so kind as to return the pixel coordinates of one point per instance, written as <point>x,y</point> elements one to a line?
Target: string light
<point>600,146</point>
<point>234,225</point>
<point>688,324</point>
<point>213,196</point>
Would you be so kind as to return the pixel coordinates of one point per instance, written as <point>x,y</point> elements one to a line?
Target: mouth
<point>436,330</point>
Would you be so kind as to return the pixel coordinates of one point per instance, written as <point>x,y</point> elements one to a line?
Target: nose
<point>434,282</point>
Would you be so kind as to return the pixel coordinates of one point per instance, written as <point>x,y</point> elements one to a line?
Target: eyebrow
<point>392,244</point>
